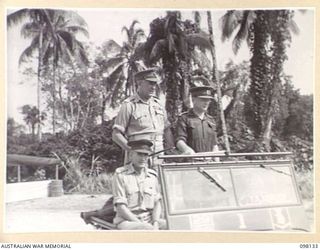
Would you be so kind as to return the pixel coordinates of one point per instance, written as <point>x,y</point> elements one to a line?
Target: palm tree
<point>32,117</point>
<point>118,71</point>
<point>267,33</point>
<point>171,42</point>
<point>39,19</point>
<point>64,46</point>
<point>217,82</point>
<point>48,38</point>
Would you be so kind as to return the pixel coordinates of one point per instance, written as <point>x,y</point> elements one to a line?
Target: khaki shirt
<point>198,134</point>
<point>137,117</point>
<point>139,192</point>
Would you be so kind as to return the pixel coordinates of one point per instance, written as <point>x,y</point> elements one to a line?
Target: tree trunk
<point>267,133</point>
<point>216,80</point>
<point>54,93</point>
<point>259,75</point>
<point>64,112</point>
<point>33,132</point>
<point>173,97</point>
<point>103,108</point>
<point>39,80</point>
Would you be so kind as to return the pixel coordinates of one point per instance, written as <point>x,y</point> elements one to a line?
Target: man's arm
<point>182,136</point>
<point>216,149</point>
<point>125,213</point>
<point>156,214</point>
<point>168,138</point>
<point>119,138</point>
<point>121,124</point>
<point>184,148</point>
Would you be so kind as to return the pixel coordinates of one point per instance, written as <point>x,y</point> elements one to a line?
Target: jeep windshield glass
<point>188,190</point>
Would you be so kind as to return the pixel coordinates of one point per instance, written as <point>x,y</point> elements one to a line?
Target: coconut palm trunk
<point>216,81</point>
<point>39,81</point>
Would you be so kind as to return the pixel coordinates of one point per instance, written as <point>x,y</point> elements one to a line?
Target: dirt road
<point>62,214</point>
<point>54,214</point>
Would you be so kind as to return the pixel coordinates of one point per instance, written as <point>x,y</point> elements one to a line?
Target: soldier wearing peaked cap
<point>196,130</point>
<point>141,116</point>
<point>136,192</point>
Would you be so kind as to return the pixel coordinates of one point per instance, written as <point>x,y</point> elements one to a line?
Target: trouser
<point>133,225</point>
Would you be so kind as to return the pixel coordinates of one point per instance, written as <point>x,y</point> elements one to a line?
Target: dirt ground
<point>62,214</point>
<point>52,214</point>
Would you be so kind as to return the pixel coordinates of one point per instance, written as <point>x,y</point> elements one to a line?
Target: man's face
<point>146,89</point>
<point>139,159</point>
<point>201,103</point>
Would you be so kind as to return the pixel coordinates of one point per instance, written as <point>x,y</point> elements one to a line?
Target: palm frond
<point>134,22</point>
<point>78,30</point>
<point>73,16</point>
<point>294,27</point>
<point>111,46</point>
<point>201,59</point>
<point>228,22</point>
<point>68,39</point>
<point>112,64</point>
<point>29,51</point>
<point>127,31</point>
<point>29,30</point>
<point>243,31</point>
<point>158,50</point>
<point>139,33</point>
<point>82,53</point>
<point>112,78</point>
<point>17,17</point>
<point>117,90</point>
<point>48,53</point>
<point>200,40</point>
<point>139,52</point>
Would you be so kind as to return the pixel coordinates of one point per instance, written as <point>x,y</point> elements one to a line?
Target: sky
<point>104,24</point>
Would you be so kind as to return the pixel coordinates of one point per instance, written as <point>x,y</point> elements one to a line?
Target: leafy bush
<point>79,180</point>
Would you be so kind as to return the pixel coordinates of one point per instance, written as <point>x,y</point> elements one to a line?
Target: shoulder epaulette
<point>120,170</point>
<point>183,113</point>
<point>156,97</point>
<point>153,172</point>
<point>130,99</point>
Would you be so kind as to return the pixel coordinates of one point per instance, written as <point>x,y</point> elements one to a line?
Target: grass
<point>79,180</point>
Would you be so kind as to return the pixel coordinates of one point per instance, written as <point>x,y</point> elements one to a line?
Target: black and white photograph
<point>181,120</point>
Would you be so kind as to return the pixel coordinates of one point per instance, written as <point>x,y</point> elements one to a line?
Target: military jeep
<point>241,192</point>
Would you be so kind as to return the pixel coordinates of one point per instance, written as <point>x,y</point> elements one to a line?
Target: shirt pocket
<point>133,197</point>
<point>159,116</point>
<point>141,119</point>
<point>149,197</point>
<point>211,127</point>
<point>192,130</point>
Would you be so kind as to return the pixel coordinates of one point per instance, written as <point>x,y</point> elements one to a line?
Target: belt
<point>141,211</point>
<point>149,136</point>
<point>143,215</point>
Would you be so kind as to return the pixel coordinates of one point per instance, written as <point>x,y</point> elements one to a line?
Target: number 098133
<point>309,245</point>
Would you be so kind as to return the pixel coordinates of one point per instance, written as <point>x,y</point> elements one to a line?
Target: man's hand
<point>188,151</point>
<point>156,225</point>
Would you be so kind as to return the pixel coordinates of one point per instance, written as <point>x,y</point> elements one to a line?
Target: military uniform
<point>139,192</point>
<point>138,119</point>
<point>198,134</point>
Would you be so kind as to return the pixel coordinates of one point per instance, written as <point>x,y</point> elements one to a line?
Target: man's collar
<point>137,98</point>
<point>191,113</point>
<point>131,170</point>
